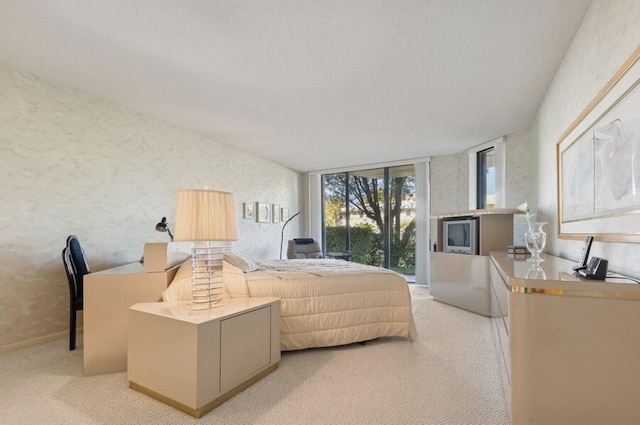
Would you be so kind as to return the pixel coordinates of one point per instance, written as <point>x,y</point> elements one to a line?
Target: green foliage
<point>403,250</point>
<point>366,243</point>
<point>366,196</point>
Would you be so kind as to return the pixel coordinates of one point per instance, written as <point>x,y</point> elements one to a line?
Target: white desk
<point>108,294</point>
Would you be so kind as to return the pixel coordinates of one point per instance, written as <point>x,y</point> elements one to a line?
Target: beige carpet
<point>449,375</point>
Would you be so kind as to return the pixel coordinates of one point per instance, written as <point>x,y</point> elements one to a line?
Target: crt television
<point>460,236</point>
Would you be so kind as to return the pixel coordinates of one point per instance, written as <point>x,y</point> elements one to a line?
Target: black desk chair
<point>76,266</point>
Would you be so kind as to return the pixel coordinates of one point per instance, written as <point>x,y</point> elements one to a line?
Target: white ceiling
<point>308,84</point>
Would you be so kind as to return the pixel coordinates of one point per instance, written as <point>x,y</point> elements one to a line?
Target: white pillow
<point>180,288</point>
<point>243,262</point>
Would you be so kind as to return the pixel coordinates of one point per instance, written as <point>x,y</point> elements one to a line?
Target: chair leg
<point>72,330</point>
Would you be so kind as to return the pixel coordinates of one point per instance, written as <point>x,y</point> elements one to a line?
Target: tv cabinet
<point>462,280</point>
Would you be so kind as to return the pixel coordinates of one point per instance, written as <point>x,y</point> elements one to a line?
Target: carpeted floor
<point>449,375</point>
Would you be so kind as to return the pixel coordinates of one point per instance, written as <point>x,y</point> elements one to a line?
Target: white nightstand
<point>194,360</point>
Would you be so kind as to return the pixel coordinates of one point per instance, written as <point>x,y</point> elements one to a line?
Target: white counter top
<point>555,276</point>
<point>181,310</point>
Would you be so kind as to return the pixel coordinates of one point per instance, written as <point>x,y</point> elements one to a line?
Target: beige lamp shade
<point>205,215</point>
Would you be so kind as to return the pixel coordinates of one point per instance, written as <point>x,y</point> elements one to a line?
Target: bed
<point>324,302</point>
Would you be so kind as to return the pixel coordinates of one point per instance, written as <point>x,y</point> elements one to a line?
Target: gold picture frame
<point>598,163</point>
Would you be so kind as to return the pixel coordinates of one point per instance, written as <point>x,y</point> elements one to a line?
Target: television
<point>460,236</point>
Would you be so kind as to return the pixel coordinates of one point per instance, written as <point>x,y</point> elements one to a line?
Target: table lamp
<point>163,226</point>
<point>207,218</point>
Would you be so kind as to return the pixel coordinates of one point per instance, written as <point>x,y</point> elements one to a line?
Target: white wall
<point>74,164</point>
<point>608,35</point>
<point>518,181</point>
<point>449,176</point>
<point>450,181</point>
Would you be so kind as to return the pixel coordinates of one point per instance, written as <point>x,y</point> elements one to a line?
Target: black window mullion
<point>386,237</point>
<point>481,179</point>
<point>347,196</point>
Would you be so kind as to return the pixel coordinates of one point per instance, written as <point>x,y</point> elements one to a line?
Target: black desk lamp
<point>282,233</point>
<point>164,227</point>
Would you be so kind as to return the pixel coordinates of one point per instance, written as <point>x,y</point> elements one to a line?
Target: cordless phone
<point>597,269</point>
<point>584,257</point>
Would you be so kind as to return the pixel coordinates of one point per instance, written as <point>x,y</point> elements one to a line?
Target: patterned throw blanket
<point>316,267</point>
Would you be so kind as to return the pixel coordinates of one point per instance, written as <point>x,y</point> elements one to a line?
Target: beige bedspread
<point>328,302</point>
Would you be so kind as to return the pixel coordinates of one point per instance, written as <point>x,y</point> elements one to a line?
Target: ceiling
<point>307,84</point>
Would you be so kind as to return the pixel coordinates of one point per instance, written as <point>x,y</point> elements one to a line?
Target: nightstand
<point>194,360</point>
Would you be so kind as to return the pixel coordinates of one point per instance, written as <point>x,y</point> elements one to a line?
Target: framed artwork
<point>284,215</point>
<point>276,213</point>
<point>263,212</point>
<point>248,211</point>
<point>598,163</point>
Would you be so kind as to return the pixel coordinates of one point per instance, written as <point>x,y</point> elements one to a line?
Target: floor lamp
<point>282,233</point>
<point>207,218</point>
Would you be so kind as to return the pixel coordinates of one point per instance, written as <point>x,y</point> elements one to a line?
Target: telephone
<point>596,269</point>
<point>586,248</point>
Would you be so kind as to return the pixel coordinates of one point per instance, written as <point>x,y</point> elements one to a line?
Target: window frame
<point>481,177</point>
<point>498,146</point>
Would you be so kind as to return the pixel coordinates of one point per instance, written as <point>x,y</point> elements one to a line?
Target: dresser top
<point>555,276</point>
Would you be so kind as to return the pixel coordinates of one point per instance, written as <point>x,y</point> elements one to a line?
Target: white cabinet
<point>194,360</point>
<point>245,346</point>
<point>462,280</point>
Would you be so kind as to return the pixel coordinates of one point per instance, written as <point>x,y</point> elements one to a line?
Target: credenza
<point>569,347</point>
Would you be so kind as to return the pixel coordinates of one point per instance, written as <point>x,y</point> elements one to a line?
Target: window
<point>487,175</point>
<point>486,179</point>
<point>319,212</point>
<point>374,230</point>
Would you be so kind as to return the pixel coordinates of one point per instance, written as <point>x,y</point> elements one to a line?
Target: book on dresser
<point>517,252</point>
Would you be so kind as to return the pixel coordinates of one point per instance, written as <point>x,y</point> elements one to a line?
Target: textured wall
<point>71,163</point>
<point>608,35</point>
<point>449,175</point>
<point>518,182</point>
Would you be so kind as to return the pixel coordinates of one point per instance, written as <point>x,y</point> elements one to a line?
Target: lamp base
<point>206,276</point>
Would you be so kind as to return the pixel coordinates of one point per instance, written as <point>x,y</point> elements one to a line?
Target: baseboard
<point>35,341</point>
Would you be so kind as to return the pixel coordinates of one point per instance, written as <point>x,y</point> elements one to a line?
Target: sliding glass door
<point>369,215</point>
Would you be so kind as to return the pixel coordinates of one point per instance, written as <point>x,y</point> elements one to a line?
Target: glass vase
<point>536,272</point>
<point>536,239</point>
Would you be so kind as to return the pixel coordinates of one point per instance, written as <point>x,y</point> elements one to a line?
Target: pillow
<point>180,288</point>
<point>243,262</point>
<point>235,281</point>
